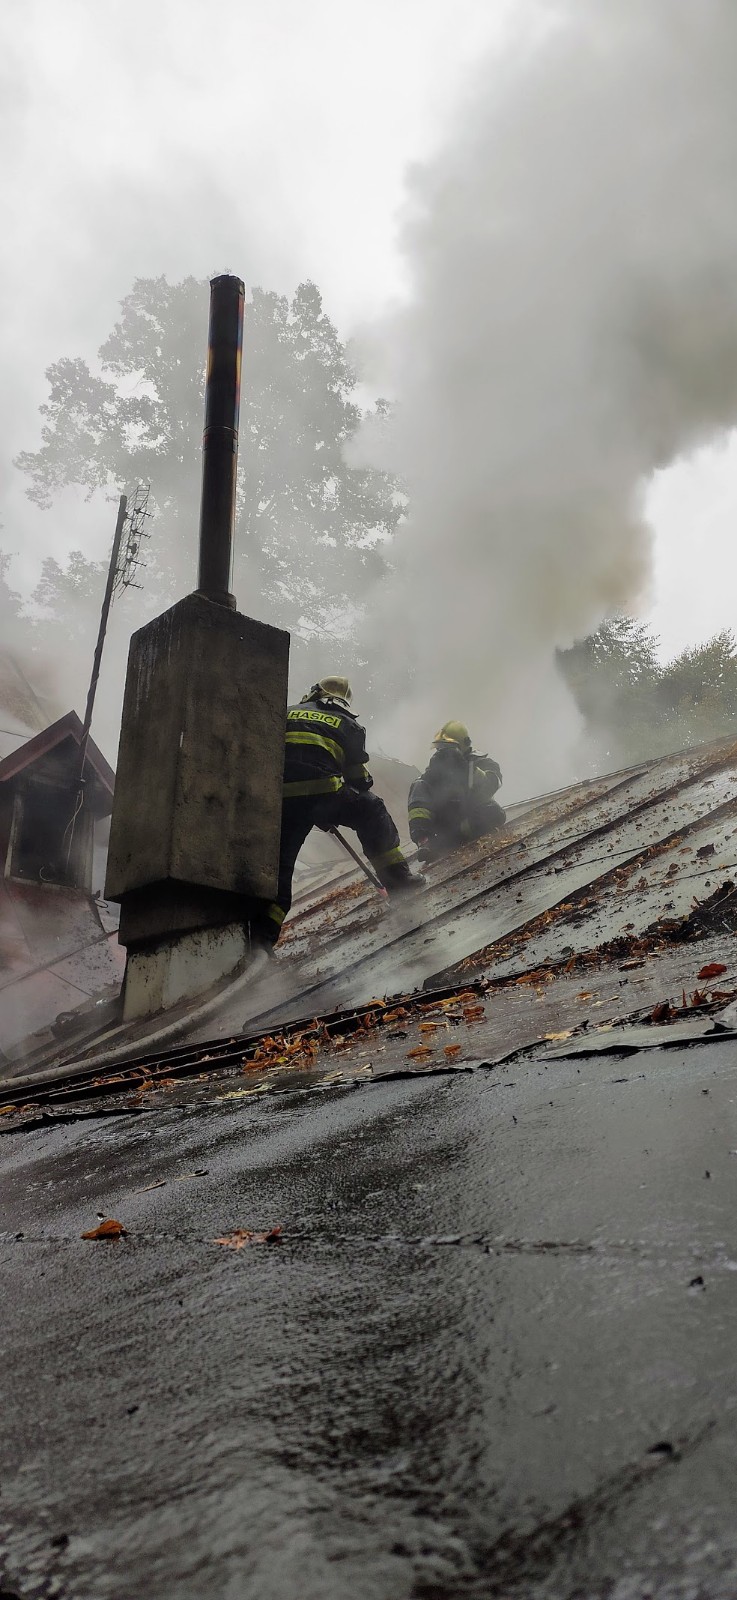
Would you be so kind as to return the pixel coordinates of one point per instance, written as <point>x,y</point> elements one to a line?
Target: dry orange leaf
<point>453,1000</point>
<point>243,1236</point>
<point>5,1109</point>
<point>420,1052</point>
<point>428,1027</point>
<point>473,1013</point>
<point>109,1229</point>
<point>713,970</point>
<point>451,1050</point>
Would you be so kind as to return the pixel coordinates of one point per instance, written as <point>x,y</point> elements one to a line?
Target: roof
<point>67,727</point>
<point>497,1296</point>
<point>601,861</point>
<point>622,873</point>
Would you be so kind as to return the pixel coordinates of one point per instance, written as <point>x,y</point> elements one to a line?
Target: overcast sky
<point>130,149</point>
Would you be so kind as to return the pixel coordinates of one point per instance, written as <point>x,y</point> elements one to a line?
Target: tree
<point>71,596</point>
<point>309,527</point>
<point>634,708</point>
<point>613,672</point>
<point>10,602</point>
<point>707,672</point>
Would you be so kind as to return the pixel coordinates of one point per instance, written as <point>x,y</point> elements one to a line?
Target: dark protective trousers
<point>347,808</point>
<point>449,833</point>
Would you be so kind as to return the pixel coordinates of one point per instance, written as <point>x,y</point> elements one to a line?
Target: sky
<point>129,149</point>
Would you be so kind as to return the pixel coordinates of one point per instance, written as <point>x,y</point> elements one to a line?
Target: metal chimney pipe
<point>220,438</point>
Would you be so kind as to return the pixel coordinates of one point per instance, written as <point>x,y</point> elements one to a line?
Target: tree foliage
<point>634,708</point>
<point>10,603</point>
<point>309,528</point>
<point>69,597</point>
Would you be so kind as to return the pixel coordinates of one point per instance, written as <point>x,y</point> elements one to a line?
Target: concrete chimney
<point>194,842</point>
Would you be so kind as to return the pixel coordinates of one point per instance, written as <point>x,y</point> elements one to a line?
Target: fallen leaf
<point>566,1034</point>
<point>585,994</point>
<point>243,1236</point>
<point>451,1050</point>
<point>240,1094</point>
<point>109,1229</point>
<point>661,1012</point>
<point>428,1027</point>
<point>420,1053</point>
<point>473,1014</point>
<point>5,1109</point>
<point>452,1000</point>
<point>713,969</point>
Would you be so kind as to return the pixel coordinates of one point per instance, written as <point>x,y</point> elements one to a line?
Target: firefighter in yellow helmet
<point>327,785</point>
<point>453,801</point>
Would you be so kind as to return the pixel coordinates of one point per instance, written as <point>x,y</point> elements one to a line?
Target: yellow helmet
<point>333,689</point>
<point>453,733</point>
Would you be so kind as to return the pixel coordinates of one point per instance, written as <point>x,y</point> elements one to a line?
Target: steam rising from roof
<point>571,326</point>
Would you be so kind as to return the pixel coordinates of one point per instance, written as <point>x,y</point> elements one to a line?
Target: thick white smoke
<point>571,325</point>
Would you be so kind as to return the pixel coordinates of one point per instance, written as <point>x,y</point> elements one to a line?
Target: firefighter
<point>452,801</point>
<point>327,785</point>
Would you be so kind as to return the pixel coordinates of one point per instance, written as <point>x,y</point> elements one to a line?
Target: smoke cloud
<point>570,327</point>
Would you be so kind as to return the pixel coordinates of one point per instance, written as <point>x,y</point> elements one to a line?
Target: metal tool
<point>359,862</point>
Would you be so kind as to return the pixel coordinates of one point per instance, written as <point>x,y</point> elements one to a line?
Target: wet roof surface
<point>611,872</point>
<point>570,873</point>
<point>491,1353</point>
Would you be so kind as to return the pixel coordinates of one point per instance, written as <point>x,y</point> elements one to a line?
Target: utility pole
<point>120,575</point>
<point>104,614</point>
<point>91,692</point>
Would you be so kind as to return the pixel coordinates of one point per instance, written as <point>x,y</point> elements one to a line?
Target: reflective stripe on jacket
<point>325,748</point>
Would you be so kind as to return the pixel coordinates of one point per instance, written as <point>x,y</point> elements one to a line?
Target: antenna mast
<point>125,562</point>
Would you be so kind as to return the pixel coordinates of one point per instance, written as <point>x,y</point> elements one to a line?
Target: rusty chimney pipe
<point>220,438</point>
